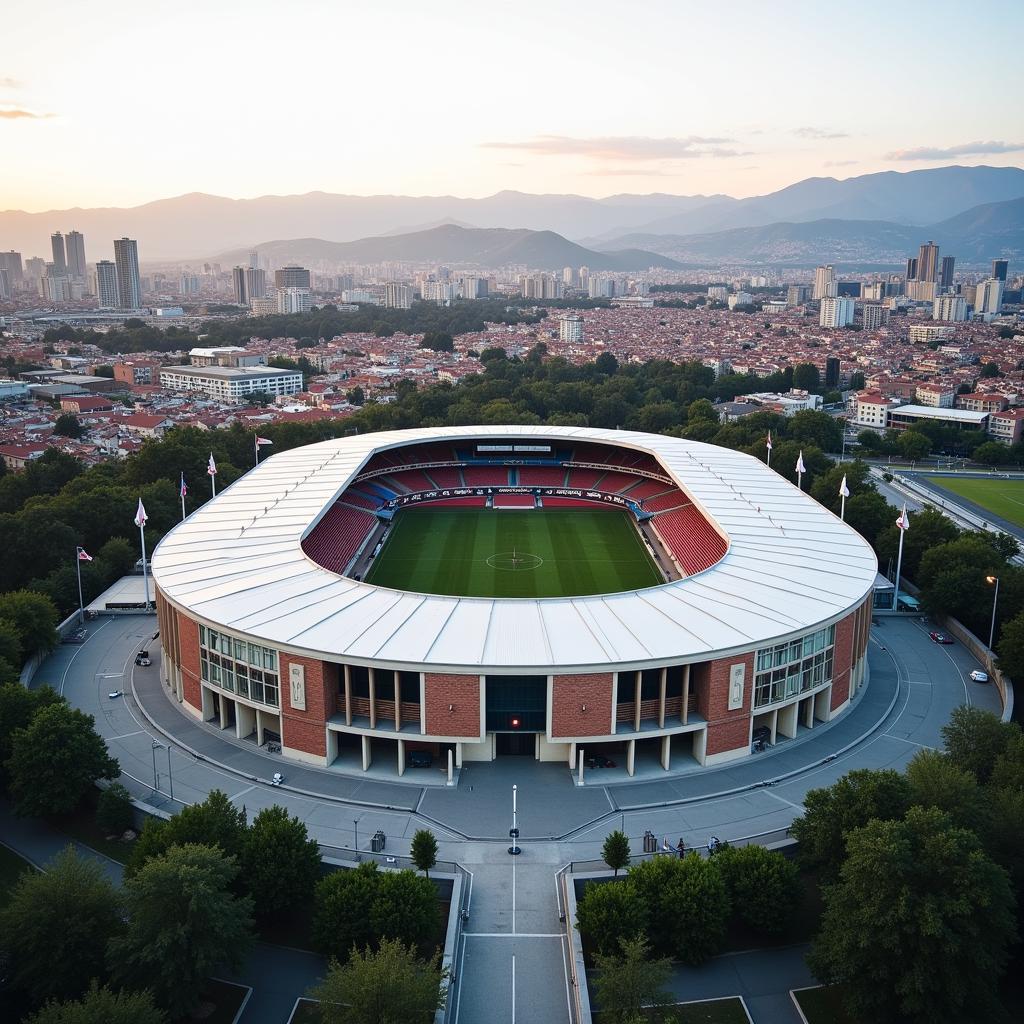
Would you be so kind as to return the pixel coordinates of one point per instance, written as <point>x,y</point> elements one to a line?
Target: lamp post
<point>156,778</point>
<point>355,828</point>
<point>995,598</point>
<point>513,832</point>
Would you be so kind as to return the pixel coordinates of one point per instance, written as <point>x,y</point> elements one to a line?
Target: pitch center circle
<point>515,561</point>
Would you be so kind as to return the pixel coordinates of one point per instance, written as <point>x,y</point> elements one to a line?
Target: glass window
<point>239,650</point>
<point>269,659</point>
<point>202,635</point>
<point>254,655</point>
<point>212,639</point>
<point>204,668</point>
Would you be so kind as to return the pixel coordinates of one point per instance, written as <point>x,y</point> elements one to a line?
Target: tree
<point>871,440</point>
<point>630,981</point>
<point>914,445</point>
<point>405,907</point>
<point>55,761</point>
<point>439,341</point>
<point>818,428</point>
<point>806,377</point>
<point>183,923</point>
<point>974,739</point>
<point>935,781</point>
<point>989,370</point>
<point>114,810</point>
<point>608,912</point>
<point>849,803</point>
<point>1008,771</point>
<point>34,617</point>
<point>68,425</point>
<point>57,925</point>
<point>386,986</point>
<point>280,863</point>
<point>764,886</point>
<point>101,1006</point>
<point>700,411</point>
<point>424,850</point>
<point>341,910</point>
<point>118,555</point>
<point>615,852</point>
<point>991,453</point>
<point>918,925</point>
<point>1010,647</point>
<point>18,707</point>
<point>356,396</point>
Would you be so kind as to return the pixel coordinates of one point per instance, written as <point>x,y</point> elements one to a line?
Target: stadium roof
<point>791,566</point>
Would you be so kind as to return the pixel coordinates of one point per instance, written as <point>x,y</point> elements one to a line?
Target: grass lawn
<point>823,1006</point>
<point>532,553</point>
<point>1002,497</point>
<point>12,867</point>
<point>715,1011</point>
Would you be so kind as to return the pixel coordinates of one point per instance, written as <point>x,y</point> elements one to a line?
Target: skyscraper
<point>825,284</point>
<point>946,274</point>
<point>75,243</point>
<point>254,259</point>
<point>255,283</point>
<point>928,262</point>
<point>60,262</point>
<point>5,285</point>
<point>126,259</point>
<point>11,262</point>
<point>106,284</point>
<point>912,268</point>
<point>291,277</point>
<point>241,291</point>
<point>989,296</point>
<point>836,312</point>
<point>999,268</point>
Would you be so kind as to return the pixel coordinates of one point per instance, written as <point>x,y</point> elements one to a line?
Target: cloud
<point>9,83</point>
<point>819,133</point>
<point>620,147</point>
<point>944,153</point>
<point>841,163</point>
<point>630,172</point>
<point>16,114</point>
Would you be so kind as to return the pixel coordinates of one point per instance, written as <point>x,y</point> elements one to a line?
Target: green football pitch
<point>1001,497</point>
<point>531,553</point>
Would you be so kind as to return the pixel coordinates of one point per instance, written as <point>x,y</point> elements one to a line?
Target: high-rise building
<point>989,296</point>
<point>398,296</point>
<point>946,273</point>
<point>188,284</point>
<point>873,316</point>
<point>912,268</point>
<point>293,300</point>
<point>11,262</point>
<point>836,312</point>
<point>60,261</point>
<point>238,282</point>
<point>928,262</point>
<point>126,259</point>
<point>75,244</point>
<point>254,259</point>
<point>569,277</point>
<point>950,308</point>
<point>255,283</point>
<point>35,271</point>
<point>831,372</point>
<point>6,291</point>
<point>106,284</point>
<point>291,277</point>
<point>797,294</point>
<point>873,291</point>
<point>570,327</point>
<point>999,269</point>
<point>56,285</point>
<point>825,284</point>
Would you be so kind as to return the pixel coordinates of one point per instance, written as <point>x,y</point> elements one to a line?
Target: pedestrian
<point>681,848</point>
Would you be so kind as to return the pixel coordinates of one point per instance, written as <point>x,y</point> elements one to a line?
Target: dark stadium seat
<point>690,537</point>
<point>335,540</point>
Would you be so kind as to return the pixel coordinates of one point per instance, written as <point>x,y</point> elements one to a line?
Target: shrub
<point>114,810</point>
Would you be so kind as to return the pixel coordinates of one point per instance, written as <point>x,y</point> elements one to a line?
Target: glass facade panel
<point>789,669</point>
<point>238,666</point>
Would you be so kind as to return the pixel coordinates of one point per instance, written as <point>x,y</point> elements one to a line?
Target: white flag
<point>768,443</point>
<point>903,520</point>
<point>844,491</point>
<point>140,515</point>
<point>260,441</point>
<point>800,468</point>
<point>211,468</point>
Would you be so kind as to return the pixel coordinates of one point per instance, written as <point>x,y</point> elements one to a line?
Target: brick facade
<point>304,730</point>
<point>842,661</point>
<point>188,633</point>
<point>727,730</point>
<point>570,694</point>
<point>462,694</point>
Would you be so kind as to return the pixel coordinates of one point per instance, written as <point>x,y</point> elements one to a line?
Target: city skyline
<point>537,100</point>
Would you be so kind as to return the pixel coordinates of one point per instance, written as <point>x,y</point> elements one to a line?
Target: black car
<point>419,759</point>
<point>600,761</point>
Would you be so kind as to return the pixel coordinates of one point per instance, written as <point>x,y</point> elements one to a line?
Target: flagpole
<point>899,564</point>
<point>256,445</point>
<point>81,603</point>
<point>181,493</point>
<point>842,507</point>
<point>145,573</point>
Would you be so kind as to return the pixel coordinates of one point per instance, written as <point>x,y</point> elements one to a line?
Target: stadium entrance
<point>515,743</point>
<point>516,712</point>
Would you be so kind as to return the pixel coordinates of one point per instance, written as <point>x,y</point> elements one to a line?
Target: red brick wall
<point>570,693</point>
<point>188,633</point>
<point>727,730</point>
<point>304,730</point>
<point>461,691</point>
<point>842,660</point>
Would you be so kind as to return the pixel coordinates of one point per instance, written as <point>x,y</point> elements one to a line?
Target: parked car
<point>761,737</point>
<point>600,761</point>
<point>419,759</point>
<point>978,676</point>
<point>78,637</point>
<point>941,638</point>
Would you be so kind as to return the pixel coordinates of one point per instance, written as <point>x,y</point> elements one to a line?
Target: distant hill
<point>456,245</point>
<point>974,236</point>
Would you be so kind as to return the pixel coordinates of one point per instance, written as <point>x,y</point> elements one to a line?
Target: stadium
<point>484,592</point>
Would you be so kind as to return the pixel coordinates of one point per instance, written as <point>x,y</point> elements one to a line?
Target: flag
<point>84,556</point>
<point>903,520</point>
<point>768,443</point>
<point>182,490</point>
<point>260,441</point>
<point>211,466</point>
<point>140,515</point>
<point>844,491</point>
<point>800,468</point>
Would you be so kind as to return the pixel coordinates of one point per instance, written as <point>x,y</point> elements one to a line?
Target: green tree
<point>55,761</point>
<point>34,617</point>
<point>114,810</point>
<point>914,445</point>
<point>991,453</point>
<point>356,396</point>
<point>974,739</point>
<point>424,850</point>
<point>1008,771</point>
<point>18,706</point>
<point>405,907</point>
<point>936,781</point>
<point>849,803</point>
<point>630,981</point>
<point>57,924</point>
<point>989,370</point>
<point>1010,647</point>
<point>806,376</point>
<point>929,528</point>
<point>439,341</point>
<point>918,925</point>
<point>615,852</point>
<point>184,922</point>
<point>871,440</point>
<point>389,985</point>
<point>119,556</point>
<point>810,427</point>
<point>702,411</point>
<point>101,1006</point>
<point>68,425</point>
<point>280,863</point>
<point>341,910</point>
<point>764,886</point>
<point>608,912</point>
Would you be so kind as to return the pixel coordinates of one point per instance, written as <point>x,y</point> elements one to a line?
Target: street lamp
<point>995,598</point>
<point>156,778</point>
<point>355,827</point>
<point>513,832</point>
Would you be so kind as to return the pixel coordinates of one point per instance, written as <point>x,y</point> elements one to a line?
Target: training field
<point>1001,497</point>
<point>534,553</point>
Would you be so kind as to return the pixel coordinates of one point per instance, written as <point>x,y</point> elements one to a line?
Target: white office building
<point>570,327</point>
<point>398,296</point>
<point>874,315</point>
<point>126,259</point>
<point>836,312</point>
<point>229,383</point>
<point>293,300</point>
<point>825,284</point>
<point>949,307</point>
<point>989,296</point>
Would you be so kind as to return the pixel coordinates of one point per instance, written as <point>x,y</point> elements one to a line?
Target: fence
<point>385,859</point>
<point>457,914</point>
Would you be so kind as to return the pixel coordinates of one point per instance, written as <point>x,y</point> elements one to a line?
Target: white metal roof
<point>237,562</point>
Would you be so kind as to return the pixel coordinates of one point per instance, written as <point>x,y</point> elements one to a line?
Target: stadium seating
<point>445,477</point>
<point>514,501</point>
<point>413,480</point>
<point>690,537</point>
<point>463,502</point>
<point>664,501</point>
<point>360,498</point>
<point>335,540</point>
<point>486,476</point>
<point>614,482</point>
<point>584,478</point>
<point>541,476</point>
<point>645,489</point>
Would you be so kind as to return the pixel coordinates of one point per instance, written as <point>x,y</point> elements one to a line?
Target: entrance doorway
<point>522,744</point>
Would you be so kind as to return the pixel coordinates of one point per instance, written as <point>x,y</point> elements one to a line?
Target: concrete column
<point>451,773</point>
<point>663,683</point>
<point>631,757</point>
<point>685,710</point>
<point>787,721</point>
<point>666,752</point>
<point>260,728</point>
<point>822,705</point>
<point>332,746</point>
<point>209,701</point>
<point>223,710</point>
<point>401,757</point>
<point>580,762</point>
<point>572,756</point>
<point>373,699</point>
<point>245,720</point>
<point>536,746</point>
<point>458,755</point>
<point>809,713</point>
<point>774,724</point>
<point>398,703</point>
<point>636,703</point>
<point>348,694</point>
<point>367,758</point>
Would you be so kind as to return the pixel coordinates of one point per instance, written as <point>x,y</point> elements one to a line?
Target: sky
<point>120,103</point>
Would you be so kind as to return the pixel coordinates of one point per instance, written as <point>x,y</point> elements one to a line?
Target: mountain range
<point>193,225</point>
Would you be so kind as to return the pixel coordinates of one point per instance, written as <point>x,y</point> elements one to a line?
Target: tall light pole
<point>513,832</point>
<point>995,598</point>
<point>156,779</point>
<point>355,827</point>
